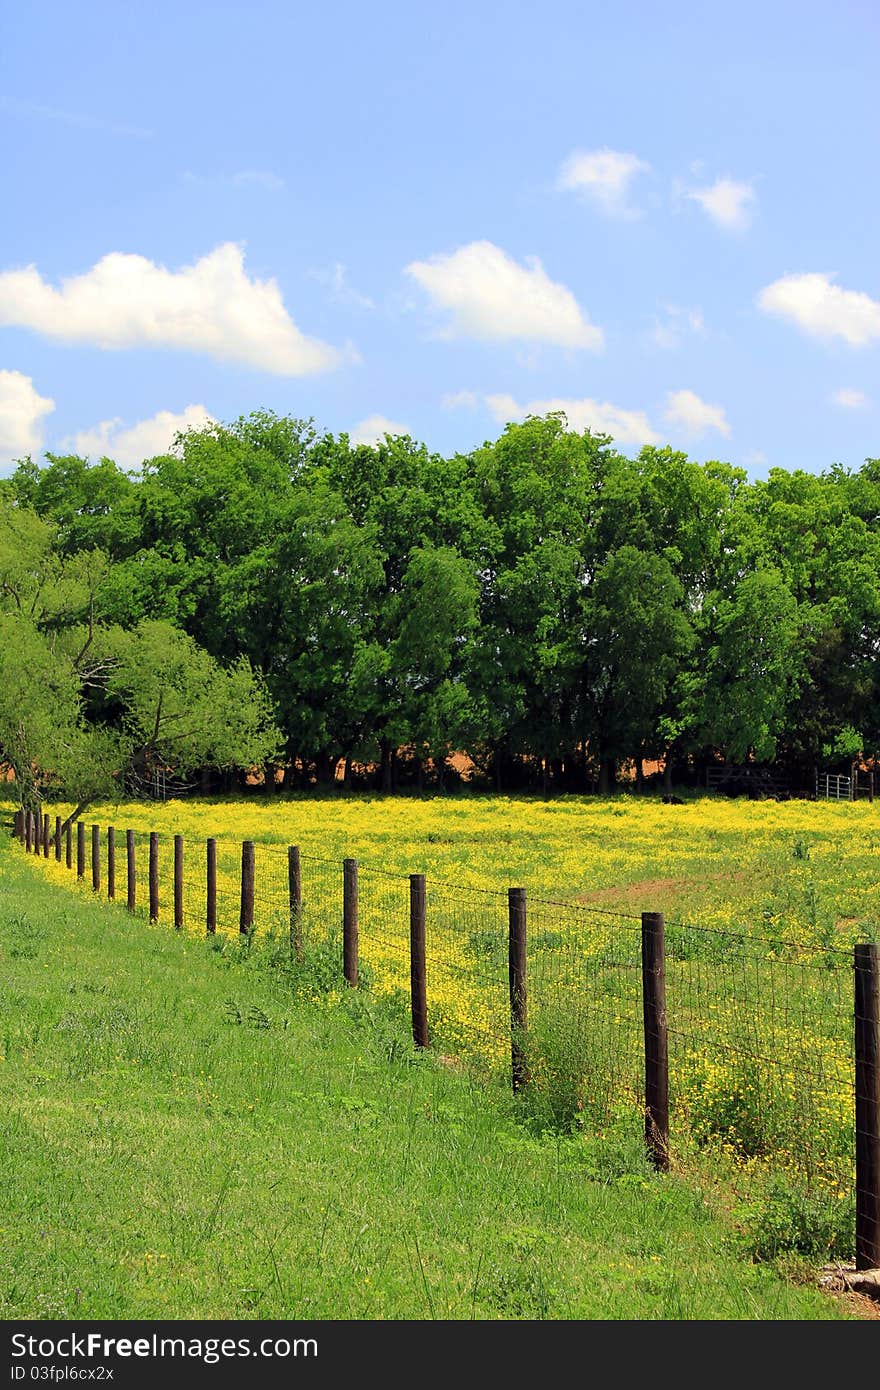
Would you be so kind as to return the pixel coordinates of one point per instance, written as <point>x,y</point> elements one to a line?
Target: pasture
<point>763,901</point>
<point>190,1132</point>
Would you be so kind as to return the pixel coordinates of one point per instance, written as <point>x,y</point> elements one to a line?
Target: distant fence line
<point>730,1029</point>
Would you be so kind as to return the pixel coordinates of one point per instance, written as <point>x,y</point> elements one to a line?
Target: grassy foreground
<point>183,1137</point>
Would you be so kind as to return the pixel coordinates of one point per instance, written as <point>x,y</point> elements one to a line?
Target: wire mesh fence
<point>585,1009</point>
<point>761,1045</point>
<point>755,1037</point>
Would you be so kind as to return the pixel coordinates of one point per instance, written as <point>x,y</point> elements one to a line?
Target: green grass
<point>183,1136</point>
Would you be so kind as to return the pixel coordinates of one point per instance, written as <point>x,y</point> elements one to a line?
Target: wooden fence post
<point>350,921</point>
<point>211,887</point>
<point>28,831</point>
<point>46,835</point>
<point>18,826</point>
<point>80,849</point>
<point>58,838</point>
<point>246,915</point>
<point>96,858</point>
<point>417,970</point>
<point>294,898</point>
<point>519,1013</point>
<point>656,1039</point>
<point>130,872</point>
<point>68,846</point>
<point>178,882</point>
<point>111,862</point>
<point>867,1095</point>
<point>154,876</point>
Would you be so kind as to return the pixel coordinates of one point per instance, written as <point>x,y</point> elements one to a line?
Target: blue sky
<point>664,217</point>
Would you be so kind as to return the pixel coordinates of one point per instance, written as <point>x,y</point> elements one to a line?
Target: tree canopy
<point>265,594</point>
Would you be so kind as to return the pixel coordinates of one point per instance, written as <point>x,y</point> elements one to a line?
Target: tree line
<point>266,594</point>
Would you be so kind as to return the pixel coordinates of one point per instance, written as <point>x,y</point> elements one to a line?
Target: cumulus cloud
<point>603,175</point>
<point>730,204</point>
<point>850,398</point>
<point>491,296</point>
<point>374,429</point>
<point>626,426</point>
<point>685,408</point>
<point>819,307</point>
<point>21,412</point>
<point>130,446</point>
<point>127,301</point>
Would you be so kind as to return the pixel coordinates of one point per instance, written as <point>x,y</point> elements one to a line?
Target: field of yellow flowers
<point>763,901</point>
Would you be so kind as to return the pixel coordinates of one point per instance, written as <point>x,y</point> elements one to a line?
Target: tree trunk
<point>640,774</point>
<point>74,815</point>
<point>385,765</point>
<point>346,773</point>
<point>667,773</point>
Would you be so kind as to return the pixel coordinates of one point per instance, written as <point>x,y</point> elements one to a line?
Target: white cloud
<point>755,458</point>
<point>127,301</point>
<point>129,447</point>
<point>685,408</point>
<point>21,412</point>
<point>821,308</point>
<point>460,400</point>
<point>340,291</point>
<point>603,175</point>
<point>850,398</point>
<point>729,204</point>
<point>491,296</point>
<point>668,332</point>
<point>74,118</point>
<point>626,426</point>
<point>374,429</point>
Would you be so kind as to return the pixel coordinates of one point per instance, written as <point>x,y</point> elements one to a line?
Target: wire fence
<point>749,1042</point>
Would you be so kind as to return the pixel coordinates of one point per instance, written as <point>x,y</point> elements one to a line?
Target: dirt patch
<point>644,888</point>
<point>862,1306</point>
<point>651,889</point>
